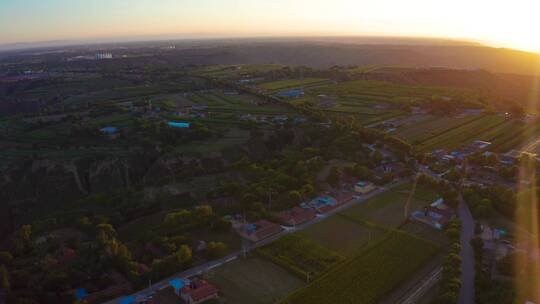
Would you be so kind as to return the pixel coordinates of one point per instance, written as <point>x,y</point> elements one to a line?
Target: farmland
<point>387,209</point>
<point>431,132</point>
<point>370,275</point>
<point>300,255</point>
<point>343,235</point>
<point>253,281</point>
<point>290,83</point>
<point>389,92</point>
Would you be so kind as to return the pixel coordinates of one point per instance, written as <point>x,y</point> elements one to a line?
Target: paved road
<point>466,294</point>
<point>197,270</point>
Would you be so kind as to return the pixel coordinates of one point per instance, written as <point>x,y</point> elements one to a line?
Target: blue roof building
<point>181,125</point>
<point>109,130</point>
<point>294,93</point>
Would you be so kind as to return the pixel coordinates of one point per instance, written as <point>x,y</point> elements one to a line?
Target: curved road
<point>466,294</point>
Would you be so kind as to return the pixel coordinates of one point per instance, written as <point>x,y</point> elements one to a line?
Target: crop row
<point>369,276</point>
<point>300,255</point>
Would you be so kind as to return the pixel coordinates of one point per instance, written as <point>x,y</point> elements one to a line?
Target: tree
<point>295,196</point>
<point>106,233</point>
<point>307,190</point>
<point>334,178</point>
<point>25,234</point>
<point>177,218</point>
<point>452,233</point>
<point>5,278</point>
<point>5,258</point>
<point>452,260</point>
<point>217,250</point>
<point>448,298</point>
<point>483,208</point>
<point>183,255</point>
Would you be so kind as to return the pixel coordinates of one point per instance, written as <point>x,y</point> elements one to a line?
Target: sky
<point>513,24</point>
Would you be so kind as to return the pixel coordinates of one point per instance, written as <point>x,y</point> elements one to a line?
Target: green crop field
<point>367,277</point>
<point>300,255</point>
<point>429,128</point>
<point>387,209</point>
<point>386,91</point>
<point>253,281</point>
<point>227,71</point>
<point>290,83</point>
<point>346,236</point>
<point>462,134</point>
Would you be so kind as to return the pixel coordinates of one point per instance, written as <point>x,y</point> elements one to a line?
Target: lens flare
<point>526,214</point>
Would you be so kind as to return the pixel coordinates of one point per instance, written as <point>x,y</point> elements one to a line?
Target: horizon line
<point>71,42</point>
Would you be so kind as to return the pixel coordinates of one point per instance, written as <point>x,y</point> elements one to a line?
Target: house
<point>65,255</point>
<point>260,230</point>
<point>323,204</point>
<point>396,168</point>
<point>280,118</point>
<point>109,130</point>
<point>437,215</point>
<point>364,187</point>
<point>296,216</point>
<point>480,144</point>
<point>199,107</point>
<point>198,291</point>
<point>343,197</point>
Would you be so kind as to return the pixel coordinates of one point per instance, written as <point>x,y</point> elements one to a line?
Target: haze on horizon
<point>498,23</point>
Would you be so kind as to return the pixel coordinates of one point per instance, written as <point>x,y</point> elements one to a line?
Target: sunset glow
<point>499,23</point>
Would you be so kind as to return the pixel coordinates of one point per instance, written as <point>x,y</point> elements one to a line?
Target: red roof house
<point>296,216</point>
<point>198,291</point>
<point>259,230</point>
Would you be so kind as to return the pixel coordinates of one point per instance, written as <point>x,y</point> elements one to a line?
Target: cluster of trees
<point>450,281</point>
<point>496,197</point>
<point>480,207</point>
<point>169,136</point>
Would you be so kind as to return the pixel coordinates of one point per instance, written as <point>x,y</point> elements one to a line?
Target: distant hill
<point>326,54</point>
<point>501,87</point>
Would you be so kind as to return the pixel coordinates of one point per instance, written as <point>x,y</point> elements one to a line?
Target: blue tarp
<point>177,284</point>
<point>175,124</point>
<point>127,300</point>
<point>80,293</point>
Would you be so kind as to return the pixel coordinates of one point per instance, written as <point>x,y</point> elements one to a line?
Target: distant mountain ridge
<point>324,52</point>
